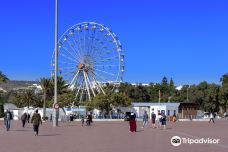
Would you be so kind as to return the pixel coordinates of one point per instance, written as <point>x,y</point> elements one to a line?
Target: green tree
<point>224,93</point>
<point>25,98</point>
<point>211,102</point>
<point>3,77</point>
<point>107,102</point>
<point>164,90</point>
<point>171,88</point>
<point>154,91</point>
<point>66,99</point>
<point>46,85</point>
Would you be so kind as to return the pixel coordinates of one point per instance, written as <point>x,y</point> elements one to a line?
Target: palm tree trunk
<point>44,105</point>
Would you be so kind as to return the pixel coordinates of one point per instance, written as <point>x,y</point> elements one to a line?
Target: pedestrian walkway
<point>110,137</point>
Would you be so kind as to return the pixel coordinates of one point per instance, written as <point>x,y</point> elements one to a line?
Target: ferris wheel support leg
<point>99,86</point>
<point>87,87</point>
<point>73,80</point>
<point>90,84</point>
<point>77,93</point>
<point>81,95</point>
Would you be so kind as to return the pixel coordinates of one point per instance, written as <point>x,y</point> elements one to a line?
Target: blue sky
<point>183,39</point>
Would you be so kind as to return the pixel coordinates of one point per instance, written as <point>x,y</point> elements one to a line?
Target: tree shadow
<point>21,130</point>
<point>49,135</point>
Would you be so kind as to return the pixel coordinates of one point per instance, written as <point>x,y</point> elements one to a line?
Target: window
<point>168,112</point>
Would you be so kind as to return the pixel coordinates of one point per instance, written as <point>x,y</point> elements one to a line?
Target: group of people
<point>36,120</point>
<point>25,118</point>
<point>89,119</point>
<point>161,121</point>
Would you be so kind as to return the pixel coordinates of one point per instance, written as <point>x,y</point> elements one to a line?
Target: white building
<point>168,108</point>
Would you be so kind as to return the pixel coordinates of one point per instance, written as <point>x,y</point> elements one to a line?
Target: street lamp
<point>56,110</point>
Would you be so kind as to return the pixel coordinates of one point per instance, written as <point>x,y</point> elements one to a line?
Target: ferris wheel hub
<point>81,66</point>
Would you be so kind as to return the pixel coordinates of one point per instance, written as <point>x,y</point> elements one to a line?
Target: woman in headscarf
<point>132,123</point>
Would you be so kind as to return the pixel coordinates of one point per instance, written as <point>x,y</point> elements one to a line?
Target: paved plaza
<point>112,137</point>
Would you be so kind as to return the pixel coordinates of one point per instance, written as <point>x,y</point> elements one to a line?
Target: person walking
<point>145,119</point>
<point>28,117</point>
<point>51,118</point>
<point>132,123</point>
<point>211,118</point>
<point>36,120</point>
<point>164,120</point>
<point>8,117</point>
<point>23,119</point>
<point>153,118</point>
<point>89,119</point>
<point>159,120</point>
<point>174,117</point>
<point>82,120</point>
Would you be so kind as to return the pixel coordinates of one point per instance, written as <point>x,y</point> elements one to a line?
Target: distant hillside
<point>14,84</point>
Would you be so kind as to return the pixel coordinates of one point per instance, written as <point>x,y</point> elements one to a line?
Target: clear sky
<point>183,39</point>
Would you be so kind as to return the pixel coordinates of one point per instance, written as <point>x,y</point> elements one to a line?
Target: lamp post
<point>56,110</point>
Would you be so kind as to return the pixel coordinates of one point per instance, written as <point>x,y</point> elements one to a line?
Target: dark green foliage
<point>109,101</point>
<point>1,110</point>
<point>3,77</point>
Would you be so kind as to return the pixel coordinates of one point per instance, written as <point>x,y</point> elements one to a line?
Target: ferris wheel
<point>90,56</point>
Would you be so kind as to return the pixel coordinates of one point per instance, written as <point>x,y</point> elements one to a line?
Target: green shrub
<point>1,111</point>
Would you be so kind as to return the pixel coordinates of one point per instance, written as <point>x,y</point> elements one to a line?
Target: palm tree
<point>46,85</point>
<point>61,84</point>
<point>3,77</point>
<point>27,97</point>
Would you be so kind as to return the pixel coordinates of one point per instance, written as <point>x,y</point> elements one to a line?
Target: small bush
<point>45,118</point>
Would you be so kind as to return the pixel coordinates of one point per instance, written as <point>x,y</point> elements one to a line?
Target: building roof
<point>146,104</point>
<point>10,106</point>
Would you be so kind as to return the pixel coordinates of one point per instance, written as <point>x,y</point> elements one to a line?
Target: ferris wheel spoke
<point>68,73</point>
<point>101,52</point>
<point>100,77</point>
<point>104,40</point>
<point>98,50</point>
<point>75,51</point>
<point>74,56</point>
<point>80,44</point>
<point>69,58</point>
<point>67,68</point>
<point>106,65</point>
<point>102,60</point>
<point>93,33</point>
<point>67,63</point>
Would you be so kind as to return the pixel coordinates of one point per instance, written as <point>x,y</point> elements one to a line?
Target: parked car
<point>206,115</point>
<point>225,114</point>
